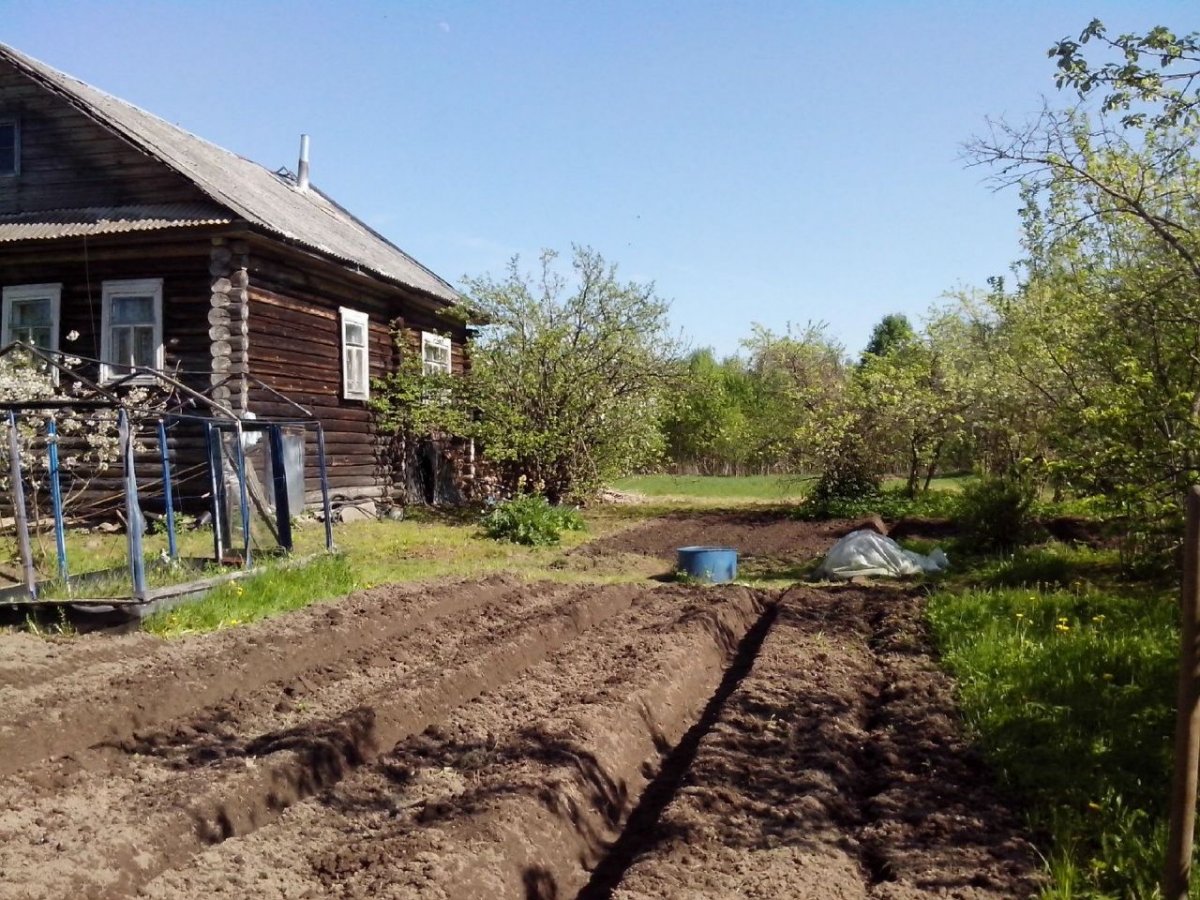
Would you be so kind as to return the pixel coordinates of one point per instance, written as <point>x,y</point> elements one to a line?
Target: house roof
<point>252,192</point>
<point>92,220</point>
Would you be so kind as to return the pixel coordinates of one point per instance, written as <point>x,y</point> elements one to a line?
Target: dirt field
<point>507,739</point>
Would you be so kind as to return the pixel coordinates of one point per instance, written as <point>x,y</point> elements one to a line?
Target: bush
<point>890,504</point>
<point>996,513</point>
<point>531,520</point>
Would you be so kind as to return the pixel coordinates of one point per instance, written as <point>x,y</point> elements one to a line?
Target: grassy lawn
<point>425,546</point>
<point>1066,676</point>
<point>718,488</point>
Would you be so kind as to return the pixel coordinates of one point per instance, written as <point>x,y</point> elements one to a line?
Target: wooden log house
<point>130,240</point>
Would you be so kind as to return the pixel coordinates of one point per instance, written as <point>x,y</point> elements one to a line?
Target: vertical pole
<point>279,484</point>
<point>215,486</point>
<point>243,494</point>
<point>60,535</point>
<point>18,492</point>
<point>133,511</point>
<point>1178,869</point>
<point>328,508</point>
<point>168,497</point>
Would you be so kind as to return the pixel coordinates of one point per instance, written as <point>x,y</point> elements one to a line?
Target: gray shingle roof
<point>248,189</point>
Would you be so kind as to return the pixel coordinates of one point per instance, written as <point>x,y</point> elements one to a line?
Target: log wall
<point>69,161</point>
<point>295,346</point>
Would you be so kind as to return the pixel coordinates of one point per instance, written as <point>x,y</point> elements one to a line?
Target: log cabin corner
<point>130,240</point>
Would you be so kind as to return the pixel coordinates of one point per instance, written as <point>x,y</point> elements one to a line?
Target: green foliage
<point>891,504</point>
<point>566,377</point>
<point>531,520</point>
<point>890,333</point>
<point>409,403</point>
<point>1152,82</point>
<point>996,513</point>
<point>1071,694</point>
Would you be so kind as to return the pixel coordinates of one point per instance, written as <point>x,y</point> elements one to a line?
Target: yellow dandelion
<point>1099,620</point>
<point>1020,615</point>
<point>1061,628</point>
<point>1095,807</point>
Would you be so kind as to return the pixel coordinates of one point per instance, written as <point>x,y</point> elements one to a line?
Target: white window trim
<point>16,292</point>
<point>354,317</point>
<point>429,339</point>
<point>152,286</point>
<point>16,123</point>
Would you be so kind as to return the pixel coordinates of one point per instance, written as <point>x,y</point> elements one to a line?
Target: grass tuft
<point>270,593</point>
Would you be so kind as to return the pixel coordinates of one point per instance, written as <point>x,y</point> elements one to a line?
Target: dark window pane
<point>8,148</point>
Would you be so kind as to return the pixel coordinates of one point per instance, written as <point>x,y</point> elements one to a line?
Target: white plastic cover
<point>869,553</point>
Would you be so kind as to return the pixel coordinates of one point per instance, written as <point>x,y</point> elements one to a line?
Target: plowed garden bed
<point>508,739</point>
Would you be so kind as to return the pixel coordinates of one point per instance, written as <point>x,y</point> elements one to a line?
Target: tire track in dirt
<point>105,822</point>
<point>516,793</point>
<point>112,698</point>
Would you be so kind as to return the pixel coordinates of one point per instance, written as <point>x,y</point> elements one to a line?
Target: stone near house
<point>362,511</point>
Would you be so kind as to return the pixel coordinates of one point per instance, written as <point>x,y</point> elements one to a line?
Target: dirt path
<point>500,739</point>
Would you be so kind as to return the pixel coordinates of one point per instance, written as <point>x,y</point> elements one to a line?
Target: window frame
<point>16,124</point>
<point>138,287</point>
<point>347,316</point>
<point>17,292</point>
<point>442,342</point>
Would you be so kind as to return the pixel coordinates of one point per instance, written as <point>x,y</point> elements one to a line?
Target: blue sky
<point>766,162</point>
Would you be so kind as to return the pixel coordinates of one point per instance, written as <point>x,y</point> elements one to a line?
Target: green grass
<point>754,488</point>
<point>1067,678</point>
<point>277,590</point>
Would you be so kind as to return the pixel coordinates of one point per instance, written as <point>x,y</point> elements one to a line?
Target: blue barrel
<point>716,565</point>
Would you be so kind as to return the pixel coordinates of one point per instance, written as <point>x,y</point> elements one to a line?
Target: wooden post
<point>1178,870</point>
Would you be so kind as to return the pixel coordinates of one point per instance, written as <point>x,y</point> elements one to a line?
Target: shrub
<point>531,520</point>
<point>996,513</point>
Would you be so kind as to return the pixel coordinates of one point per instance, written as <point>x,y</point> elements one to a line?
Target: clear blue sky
<point>761,162</point>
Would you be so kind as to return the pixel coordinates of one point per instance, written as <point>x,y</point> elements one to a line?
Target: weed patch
<point>1071,694</point>
<point>270,593</point>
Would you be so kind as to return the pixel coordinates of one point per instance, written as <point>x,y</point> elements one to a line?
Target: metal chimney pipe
<point>302,173</point>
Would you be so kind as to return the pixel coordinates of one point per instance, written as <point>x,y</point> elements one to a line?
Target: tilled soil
<point>508,739</point>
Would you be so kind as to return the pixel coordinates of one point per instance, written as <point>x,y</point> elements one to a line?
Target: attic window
<point>356,355</point>
<point>10,147</point>
<point>435,353</point>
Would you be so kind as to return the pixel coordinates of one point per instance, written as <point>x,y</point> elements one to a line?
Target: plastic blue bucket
<point>716,565</point>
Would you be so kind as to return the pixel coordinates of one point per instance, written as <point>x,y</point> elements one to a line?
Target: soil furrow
<point>79,833</point>
<point>111,699</point>
<point>516,793</point>
<point>766,809</point>
<point>871,790</point>
<point>933,823</point>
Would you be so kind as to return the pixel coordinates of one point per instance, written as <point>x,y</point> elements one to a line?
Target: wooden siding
<point>69,161</point>
<point>295,347</point>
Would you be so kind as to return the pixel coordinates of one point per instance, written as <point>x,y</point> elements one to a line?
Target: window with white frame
<point>356,355</point>
<point>130,326</point>
<point>435,353</point>
<point>30,315</point>
<point>10,147</point>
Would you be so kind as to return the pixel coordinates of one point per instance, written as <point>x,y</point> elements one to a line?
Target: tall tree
<point>890,333</point>
<point>567,376</point>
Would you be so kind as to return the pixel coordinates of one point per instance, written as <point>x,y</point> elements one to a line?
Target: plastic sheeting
<point>870,553</point>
